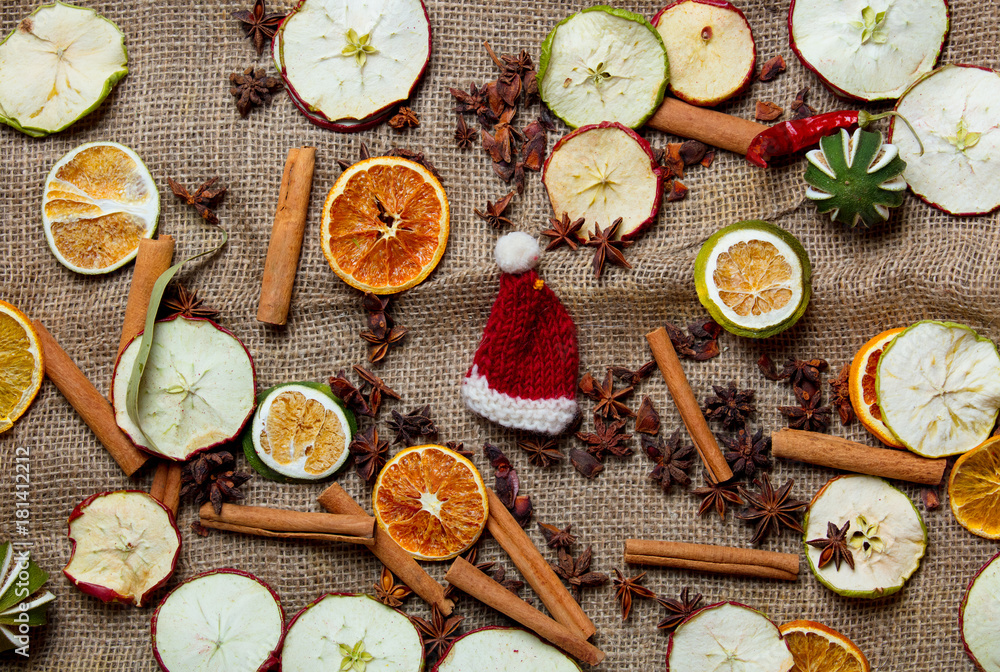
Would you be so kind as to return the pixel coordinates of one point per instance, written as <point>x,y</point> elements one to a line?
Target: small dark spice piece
<point>381,342</point>
<point>647,420</point>
<point>604,394</point>
<point>808,415</point>
<point>577,572</point>
<point>608,437</point>
<point>465,136</point>
<point>930,498</point>
<point>459,448</point>
<point>799,108</point>
<point>439,632</point>
<point>708,158</point>
<point>771,68</point>
<point>840,398</point>
<point>672,460</point>
<point>542,451</point>
<point>627,588</point>
<point>715,495</point>
<point>834,547</point>
<point>556,538</point>
<point>535,145</point>
<point>252,88</point>
<point>608,249</point>
<point>702,342</point>
<point>350,395</point>
<point>748,454</point>
<point>378,388</point>
<point>679,610</point>
<point>767,111</point>
<point>692,152</point>
<point>730,405</point>
<point>475,101</point>
<point>585,463</point>
<point>771,509</point>
<point>412,426</point>
<point>513,585</point>
<point>210,478</point>
<point>633,378</point>
<point>259,25</point>
<point>678,191</point>
<point>404,118</point>
<point>673,161</point>
<point>388,592</point>
<point>203,199</point>
<point>370,454</point>
<point>494,215</point>
<point>186,303</point>
<point>563,232</point>
<point>506,483</point>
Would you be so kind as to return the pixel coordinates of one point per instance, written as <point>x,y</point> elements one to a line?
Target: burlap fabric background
<point>175,110</point>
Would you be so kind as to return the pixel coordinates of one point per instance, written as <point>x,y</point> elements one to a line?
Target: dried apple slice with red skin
<point>86,576</point>
<point>233,606</point>
<point>498,649</point>
<point>976,627</point>
<point>604,148</point>
<point>771,651</point>
<point>716,27</point>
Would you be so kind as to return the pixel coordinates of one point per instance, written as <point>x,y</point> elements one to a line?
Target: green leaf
<point>868,14</point>
<point>15,593</point>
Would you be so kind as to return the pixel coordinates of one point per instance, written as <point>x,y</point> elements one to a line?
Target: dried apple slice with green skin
<point>710,48</point>
<point>886,537</point>
<point>125,546</point>
<point>343,629</point>
<point>351,61</point>
<point>225,620</point>
<point>197,390</point>
<point>603,172</point>
<point>938,387</point>
<point>603,64</point>
<point>955,114</point>
<point>979,614</point>
<point>728,637</point>
<point>868,49</point>
<point>499,649</point>
<point>57,66</point>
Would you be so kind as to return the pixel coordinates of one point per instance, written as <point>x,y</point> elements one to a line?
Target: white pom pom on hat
<point>517,252</point>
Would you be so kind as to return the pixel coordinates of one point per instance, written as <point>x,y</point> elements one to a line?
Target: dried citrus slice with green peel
<point>300,432</point>
<point>753,278</point>
<point>938,387</point>
<point>603,64</point>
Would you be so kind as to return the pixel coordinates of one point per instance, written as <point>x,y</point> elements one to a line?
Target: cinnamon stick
<point>166,486</point>
<point>687,405</point>
<point>699,123</point>
<point>336,500</point>
<point>838,453</point>
<point>715,559</point>
<point>464,576</point>
<point>287,524</point>
<point>153,259</point>
<point>88,402</point>
<point>286,236</point>
<point>535,570</point>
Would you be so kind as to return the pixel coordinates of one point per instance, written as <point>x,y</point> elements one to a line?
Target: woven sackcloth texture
<point>175,110</point>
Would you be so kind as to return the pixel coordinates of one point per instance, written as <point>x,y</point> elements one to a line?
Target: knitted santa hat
<point>524,373</point>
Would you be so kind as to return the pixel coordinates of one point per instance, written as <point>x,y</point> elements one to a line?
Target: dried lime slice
<point>57,66</point>
<point>300,432</point>
<point>938,387</point>
<point>753,278</point>
<point>886,536</point>
<point>603,64</point>
<point>954,113</point>
<point>728,637</point>
<point>979,614</point>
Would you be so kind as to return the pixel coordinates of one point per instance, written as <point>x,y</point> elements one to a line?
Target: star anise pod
<point>475,101</point>
<point>439,632</point>
<point>556,538</point>
<point>459,448</point>
<point>404,118</point>
<point>380,343</point>
<point>465,136</point>
<point>799,108</point>
<point>494,215</point>
<point>808,415</point>
<point>577,572</point>
<point>258,24</point>
<point>771,509</point>
<point>834,547</point>
<point>350,395</point>
<point>378,388</point>
<point>730,405</point>
<point>647,420</point>
<point>804,374</point>
<point>513,585</point>
<point>252,88</point>
<point>563,232</point>
<point>841,397</point>
<point>715,495</point>
<point>210,478</point>
<point>679,609</point>
<point>608,437</point>
<point>370,454</point>
<point>748,454</point>
<point>388,592</point>
<point>608,249</point>
<point>203,199</point>
<point>585,463</point>
<point>672,460</point>
<point>542,451</point>
<point>627,588</point>
<point>186,303</point>
<point>412,426</point>
<point>631,377</point>
<point>608,400</point>
<point>509,82</point>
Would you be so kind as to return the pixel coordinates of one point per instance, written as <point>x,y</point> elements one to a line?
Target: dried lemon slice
<point>938,386</point>
<point>818,647</point>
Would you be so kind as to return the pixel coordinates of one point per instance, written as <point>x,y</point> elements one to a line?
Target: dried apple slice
<point>868,49</point>
<point>57,66</point>
<point>938,387</point>
<point>603,64</point>
<point>710,47</point>
<point>498,649</point>
<point>349,61</point>
<point>885,536</point>
<point>954,112</point>
<point>224,621</point>
<point>603,172</point>
<point>351,632</point>
<point>125,546</point>
<point>728,637</point>
<point>197,390</point>
<point>979,614</point>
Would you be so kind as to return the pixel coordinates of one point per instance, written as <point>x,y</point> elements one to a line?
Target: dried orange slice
<point>385,224</point>
<point>817,648</point>
<point>99,202</point>
<point>431,501</point>
<point>20,365</point>
<point>861,385</point>
<point>974,489</point>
